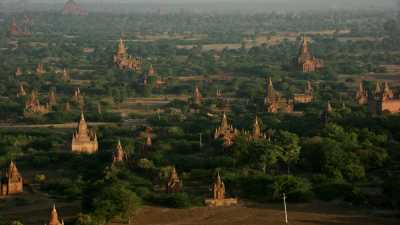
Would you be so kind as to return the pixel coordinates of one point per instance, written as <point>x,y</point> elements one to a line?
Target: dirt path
<point>300,214</point>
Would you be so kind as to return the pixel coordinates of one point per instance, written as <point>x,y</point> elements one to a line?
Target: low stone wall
<point>224,202</point>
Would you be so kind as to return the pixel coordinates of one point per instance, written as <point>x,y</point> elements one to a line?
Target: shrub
<point>174,200</point>
<point>295,188</point>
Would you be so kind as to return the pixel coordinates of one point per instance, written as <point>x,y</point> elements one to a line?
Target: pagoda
<point>325,116</point>
<point>361,95</point>
<point>174,184</point>
<point>274,102</point>
<point>307,97</point>
<point>257,130</point>
<point>53,219</point>
<point>11,181</point>
<point>15,31</point>
<point>218,195</point>
<point>21,91</point>
<point>119,154</point>
<point>40,69</point>
<point>32,105</point>
<point>124,61</point>
<point>18,72</point>
<point>383,100</point>
<point>78,98</point>
<point>226,132</point>
<point>84,140</point>
<point>151,71</point>
<point>197,97</point>
<point>65,75</point>
<point>72,8</point>
<point>306,61</point>
<point>52,98</point>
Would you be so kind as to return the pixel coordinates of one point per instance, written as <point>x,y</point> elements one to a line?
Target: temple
<point>52,98</point>
<point>119,154</point>
<point>40,69</point>
<point>16,31</point>
<point>71,8</point>
<point>21,91</point>
<point>125,61</point>
<point>84,140</point>
<point>361,95</point>
<point>65,75</point>
<point>67,107</point>
<point>325,115</point>
<point>11,181</point>
<point>151,71</point>
<point>53,219</point>
<point>18,72</point>
<point>383,100</point>
<point>174,184</point>
<point>149,141</point>
<point>32,105</point>
<point>218,192</point>
<point>226,132</point>
<point>197,97</point>
<point>257,130</point>
<point>307,97</point>
<point>78,98</point>
<point>306,62</point>
<point>274,102</point>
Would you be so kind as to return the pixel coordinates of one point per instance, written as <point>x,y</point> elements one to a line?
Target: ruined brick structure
<point>174,184</point>
<point>361,95</point>
<point>226,132</point>
<point>274,102</point>
<point>32,105</point>
<point>124,61</point>
<point>53,219</point>
<point>307,97</point>
<point>383,100</point>
<point>84,140</point>
<point>119,154</point>
<point>72,8</point>
<point>11,181</point>
<point>306,62</point>
<point>218,194</point>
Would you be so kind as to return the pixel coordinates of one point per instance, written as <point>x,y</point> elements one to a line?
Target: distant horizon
<point>219,6</point>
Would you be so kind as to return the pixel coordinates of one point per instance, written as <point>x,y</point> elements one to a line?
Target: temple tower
<point>11,181</point>
<point>53,219</point>
<point>84,140</point>
<point>197,97</point>
<point>119,154</point>
<point>174,184</point>
<point>271,101</point>
<point>361,95</point>
<point>21,91</point>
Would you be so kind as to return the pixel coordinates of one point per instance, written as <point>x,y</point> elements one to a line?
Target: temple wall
<point>393,106</point>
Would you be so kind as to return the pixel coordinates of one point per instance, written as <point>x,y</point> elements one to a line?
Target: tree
<point>289,147</point>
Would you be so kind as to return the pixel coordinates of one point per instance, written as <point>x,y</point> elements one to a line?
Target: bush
<point>296,188</point>
<point>340,191</point>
